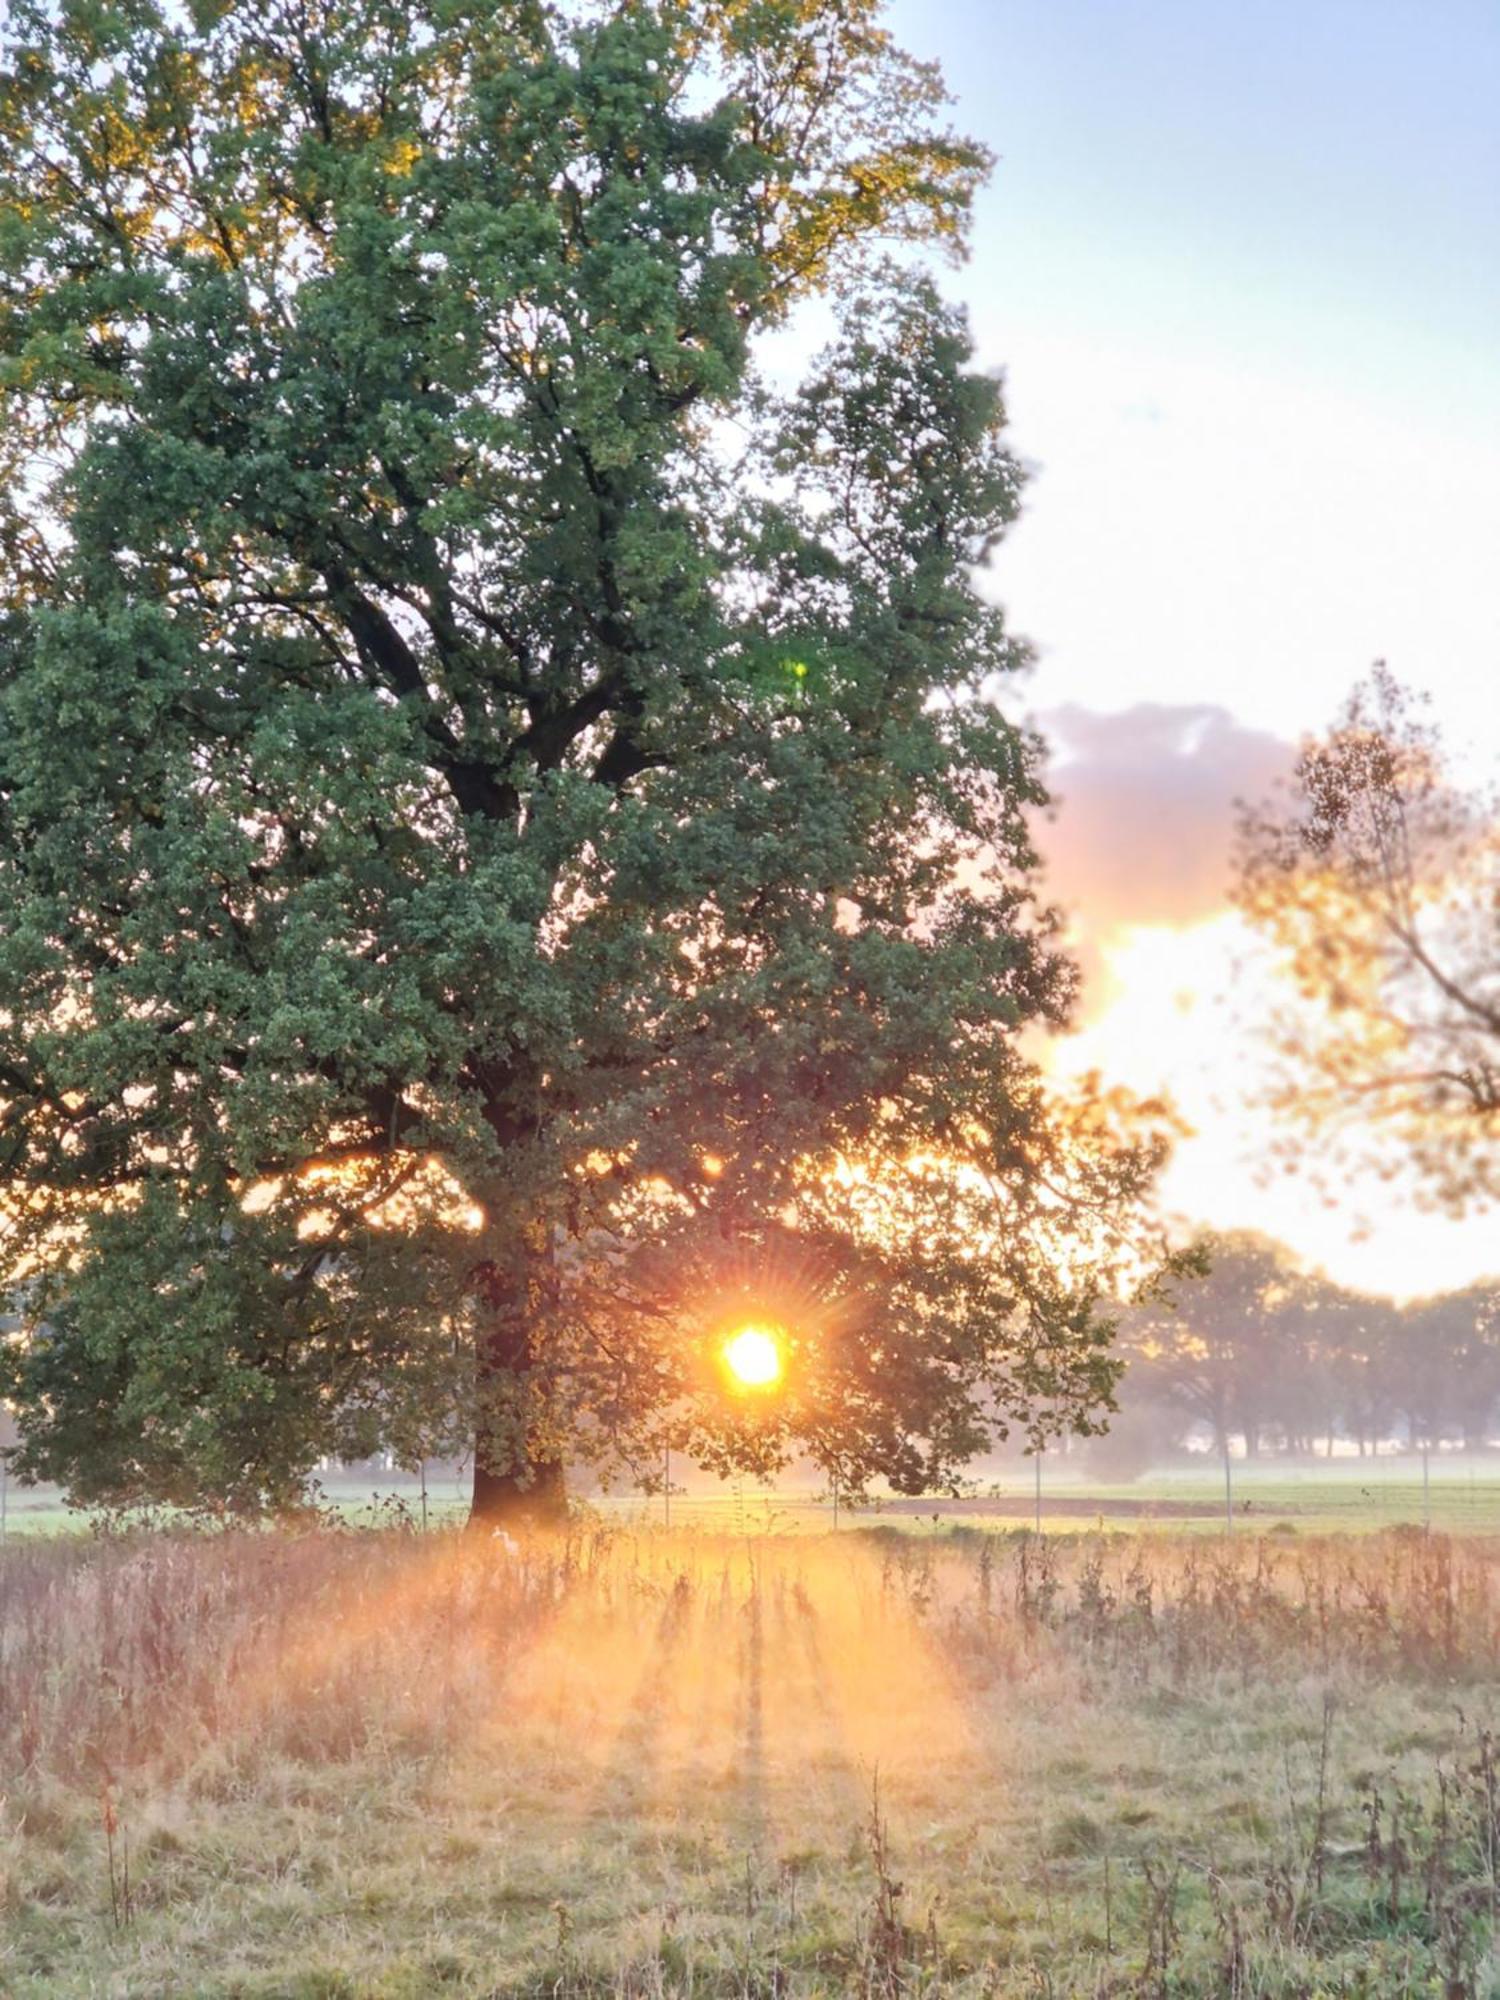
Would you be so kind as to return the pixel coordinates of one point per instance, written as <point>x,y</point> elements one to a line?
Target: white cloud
<point>1255,545</point>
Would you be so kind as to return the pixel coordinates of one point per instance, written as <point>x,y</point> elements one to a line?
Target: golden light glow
<point>832,1684</point>
<point>753,1357</point>
<point>388,1191</point>
<point>1179,1007</point>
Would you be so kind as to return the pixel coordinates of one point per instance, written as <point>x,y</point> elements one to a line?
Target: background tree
<point>1444,1367</point>
<point>1378,876</point>
<point>509,854</point>
<point>1359,1337</point>
<point>1229,1348</point>
<point>1258,1350</point>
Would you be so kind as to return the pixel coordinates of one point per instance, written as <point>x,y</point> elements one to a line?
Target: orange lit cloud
<point>1144,820</point>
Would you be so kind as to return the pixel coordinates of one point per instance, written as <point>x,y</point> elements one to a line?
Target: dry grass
<point>635,1764</point>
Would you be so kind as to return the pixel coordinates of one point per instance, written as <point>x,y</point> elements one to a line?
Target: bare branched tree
<point>1376,872</point>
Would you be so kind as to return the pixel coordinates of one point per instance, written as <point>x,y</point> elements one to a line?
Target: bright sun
<point>753,1357</point>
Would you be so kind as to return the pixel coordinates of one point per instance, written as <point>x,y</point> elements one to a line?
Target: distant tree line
<point>1262,1357</point>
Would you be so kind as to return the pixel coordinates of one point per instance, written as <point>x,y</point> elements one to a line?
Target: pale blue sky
<point>1242,264</point>
<point>1308,167</point>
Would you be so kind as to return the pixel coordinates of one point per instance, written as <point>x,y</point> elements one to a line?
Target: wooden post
<point>1228,1490</point>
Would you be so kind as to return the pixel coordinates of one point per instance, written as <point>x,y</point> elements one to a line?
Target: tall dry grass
<point>129,1652</point>
<point>1188,1766</point>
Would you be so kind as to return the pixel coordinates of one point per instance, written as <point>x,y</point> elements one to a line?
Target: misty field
<point>635,1763</point>
<point>1460,1495</point>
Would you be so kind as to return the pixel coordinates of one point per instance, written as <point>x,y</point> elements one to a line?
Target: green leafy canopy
<point>509,851</point>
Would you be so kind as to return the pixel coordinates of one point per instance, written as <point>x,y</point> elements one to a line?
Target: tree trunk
<point>534,1497</point>
<point>513,1487</point>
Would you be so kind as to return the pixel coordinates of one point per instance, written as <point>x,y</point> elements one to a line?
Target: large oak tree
<point>511,861</point>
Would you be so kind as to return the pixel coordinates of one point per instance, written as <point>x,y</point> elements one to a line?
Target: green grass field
<point>639,1762</point>
<point>1462,1496</point>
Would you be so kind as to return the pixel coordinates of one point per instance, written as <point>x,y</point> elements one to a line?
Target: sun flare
<point>753,1357</point>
